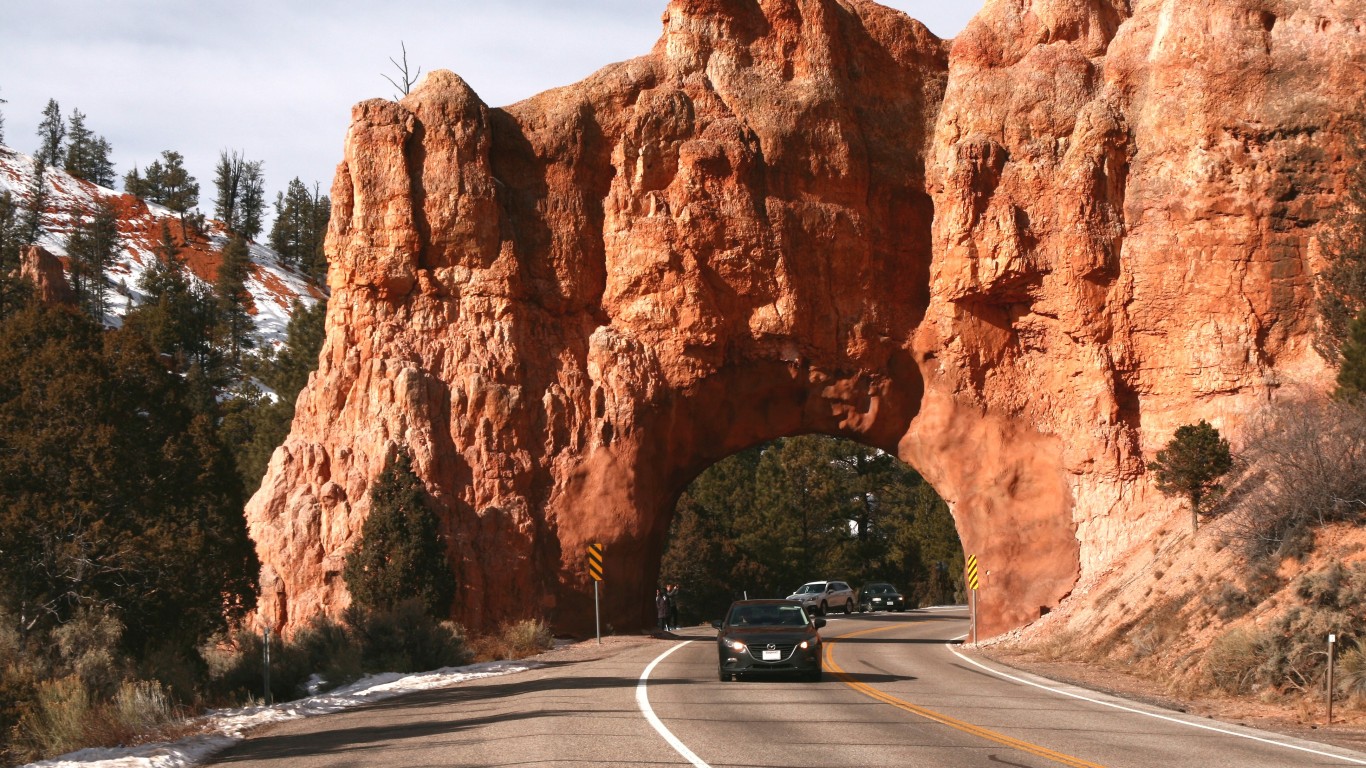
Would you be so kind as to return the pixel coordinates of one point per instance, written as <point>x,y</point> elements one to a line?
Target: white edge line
<point>1168,718</point>
<point>643,700</point>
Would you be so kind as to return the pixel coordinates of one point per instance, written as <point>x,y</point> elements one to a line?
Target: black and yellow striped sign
<point>595,561</point>
<point>972,572</point>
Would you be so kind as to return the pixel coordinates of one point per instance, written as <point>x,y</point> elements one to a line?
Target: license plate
<point>772,656</point>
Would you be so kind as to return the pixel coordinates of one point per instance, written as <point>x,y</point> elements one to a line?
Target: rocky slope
<point>1018,261</point>
<point>273,285</point>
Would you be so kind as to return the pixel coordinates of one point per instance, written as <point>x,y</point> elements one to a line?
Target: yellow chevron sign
<point>595,561</point>
<point>972,572</point>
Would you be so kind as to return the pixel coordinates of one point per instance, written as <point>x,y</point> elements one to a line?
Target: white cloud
<point>276,79</point>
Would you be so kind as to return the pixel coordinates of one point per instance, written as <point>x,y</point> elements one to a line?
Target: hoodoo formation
<point>1018,260</point>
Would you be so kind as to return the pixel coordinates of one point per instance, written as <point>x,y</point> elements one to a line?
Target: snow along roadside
<point>226,727</point>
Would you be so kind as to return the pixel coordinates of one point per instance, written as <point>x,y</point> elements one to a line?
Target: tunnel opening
<point>769,518</point>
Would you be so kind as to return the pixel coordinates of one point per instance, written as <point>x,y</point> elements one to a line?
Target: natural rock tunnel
<point>1017,261</point>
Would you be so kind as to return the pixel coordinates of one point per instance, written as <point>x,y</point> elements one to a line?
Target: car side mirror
<point>818,622</point>
<point>716,623</point>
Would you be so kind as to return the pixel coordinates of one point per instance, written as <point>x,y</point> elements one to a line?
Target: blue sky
<point>276,79</point>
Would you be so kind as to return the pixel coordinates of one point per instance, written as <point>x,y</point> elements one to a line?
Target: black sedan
<point>768,637</point>
<point>880,596</point>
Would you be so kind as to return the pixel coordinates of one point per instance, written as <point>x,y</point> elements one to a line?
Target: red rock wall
<point>1019,266</point>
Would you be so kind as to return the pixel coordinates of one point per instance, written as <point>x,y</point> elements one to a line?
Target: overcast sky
<point>276,79</point>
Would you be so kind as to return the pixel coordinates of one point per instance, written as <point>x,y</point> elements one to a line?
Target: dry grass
<point>64,717</point>
<point>514,641</point>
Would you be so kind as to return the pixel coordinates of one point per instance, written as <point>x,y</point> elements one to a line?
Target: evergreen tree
<point>241,200</point>
<point>2,123</point>
<point>401,554</point>
<point>168,184</point>
<point>51,136</point>
<point>114,491</point>
<point>135,185</point>
<point>1352,374</point>
<point>94,245</point>
<point>31,224</point>
<point>87,155</point>
<point>177,316</point>
<point>252,206</point>
<point>742,526</point>
<point>1191,465</point>
<point>230,290</point>
<point>300,227</point>
<point>14,293</point>
<point>257,425</point>
<point>177,189</point>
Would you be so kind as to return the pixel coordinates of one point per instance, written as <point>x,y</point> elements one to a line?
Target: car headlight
<point>804,645</point>
<point>735,645</point>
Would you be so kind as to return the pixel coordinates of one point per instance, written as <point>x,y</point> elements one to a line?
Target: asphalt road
<point>896,693</point>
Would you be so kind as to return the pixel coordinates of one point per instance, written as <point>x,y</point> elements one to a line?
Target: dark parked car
<point>880,596</point>
<point>767,637</point>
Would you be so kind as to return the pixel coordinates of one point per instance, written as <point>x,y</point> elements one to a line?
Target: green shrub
<point>406,638</point>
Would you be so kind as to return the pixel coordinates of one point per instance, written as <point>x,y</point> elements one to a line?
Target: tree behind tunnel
<point>767,519</point>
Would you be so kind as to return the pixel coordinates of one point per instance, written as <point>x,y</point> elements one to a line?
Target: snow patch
<point>227,727</point>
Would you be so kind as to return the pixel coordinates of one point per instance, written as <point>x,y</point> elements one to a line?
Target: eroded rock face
<point>44,271</point>
<point>1019,265</point>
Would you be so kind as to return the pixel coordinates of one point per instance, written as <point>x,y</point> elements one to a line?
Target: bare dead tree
<point>405,82</point>
<point>1304,467</point>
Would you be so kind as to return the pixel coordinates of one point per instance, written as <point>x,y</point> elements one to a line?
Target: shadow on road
<point>342,739</point>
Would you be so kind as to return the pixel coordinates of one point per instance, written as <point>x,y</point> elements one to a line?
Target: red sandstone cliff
<point>1018,264</point>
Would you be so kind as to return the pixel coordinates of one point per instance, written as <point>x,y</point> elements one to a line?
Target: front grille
<point>784,649</point>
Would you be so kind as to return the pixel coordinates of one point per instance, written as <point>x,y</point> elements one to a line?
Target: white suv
<point>820,596</point>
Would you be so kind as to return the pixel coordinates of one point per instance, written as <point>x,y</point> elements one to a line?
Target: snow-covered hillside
<point>272,284</point>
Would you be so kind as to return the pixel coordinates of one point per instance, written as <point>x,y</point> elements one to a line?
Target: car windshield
<point>767,616</point>
<point>807,589</point>
<point>878,589</point>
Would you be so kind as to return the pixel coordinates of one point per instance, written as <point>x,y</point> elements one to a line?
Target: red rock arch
<point>1018,267</point>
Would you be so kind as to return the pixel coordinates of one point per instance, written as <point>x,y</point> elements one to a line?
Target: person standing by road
<point>671,592</point>
<point>661,608</point>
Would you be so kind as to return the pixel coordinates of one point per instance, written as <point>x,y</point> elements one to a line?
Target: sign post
<point>1332,638</point>
<point>972,597</point>
<point>266,670</point>
<point>595,570</point>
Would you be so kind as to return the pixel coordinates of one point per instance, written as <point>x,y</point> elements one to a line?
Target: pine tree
<point>51,135</point>
<point>241,201</point>
<point>1352,374</point>
<point>252,205</point>
<point>177,315</point>
<point>87,155</point>
<point>230,289</point>
<point>401,554</point>
<point>256,425</point>
<point>178,190</point>
<point>300,227</point>
<point>135,185</point>
<point>31,224</point>
<point>2,123</point>
<point>114,491</point>
<point>101,166</point>
<point>1191,465</point>
<point>94,245</point>
<point>14,293</point>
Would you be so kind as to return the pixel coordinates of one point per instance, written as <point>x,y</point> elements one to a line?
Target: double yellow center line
<point>928,714</point>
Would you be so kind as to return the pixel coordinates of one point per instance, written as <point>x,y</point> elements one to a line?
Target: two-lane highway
<point>897,692</point>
